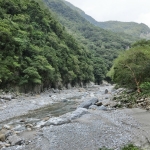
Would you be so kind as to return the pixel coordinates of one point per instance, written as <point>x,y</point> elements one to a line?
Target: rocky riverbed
<point>76,119</point>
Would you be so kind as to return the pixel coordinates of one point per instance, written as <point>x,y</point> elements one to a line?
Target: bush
<point>130,147</point>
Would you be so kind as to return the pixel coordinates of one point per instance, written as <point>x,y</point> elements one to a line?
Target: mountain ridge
<point>139,30</point>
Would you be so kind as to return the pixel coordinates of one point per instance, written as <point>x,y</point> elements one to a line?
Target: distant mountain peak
<point>139,30</point>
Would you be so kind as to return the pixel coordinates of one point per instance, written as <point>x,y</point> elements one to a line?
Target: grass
<point>128,147</point>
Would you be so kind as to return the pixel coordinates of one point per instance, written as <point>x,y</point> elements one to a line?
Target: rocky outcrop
<point>88,103</point>
<point>78,113</point>
<point>67,118</point>
<point>57,121</point>
<point>6,97</point>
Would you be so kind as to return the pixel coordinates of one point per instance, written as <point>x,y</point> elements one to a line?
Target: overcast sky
<point>120,10</point>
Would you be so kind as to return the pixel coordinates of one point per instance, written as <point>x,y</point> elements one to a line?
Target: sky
<point>116,10</point>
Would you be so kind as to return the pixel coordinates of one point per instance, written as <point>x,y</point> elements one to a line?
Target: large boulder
<point>78,113</point>
<point>57,121</point>
<point>106,91</point>
<point>2,137</point>
<point>88,103</point>
<point>94,107</point>
<point>55,90</point>
<point>6,97</point>
<point>15,140</point>
<point>102,108</point>
<point>66,118</point>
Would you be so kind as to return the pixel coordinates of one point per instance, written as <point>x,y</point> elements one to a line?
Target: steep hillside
<point>36,50</point>
<point>101,42</point>
<point>125,29</point>
<point>82,13</point>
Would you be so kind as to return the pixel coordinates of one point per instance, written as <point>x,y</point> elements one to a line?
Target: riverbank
<point>98,126</point>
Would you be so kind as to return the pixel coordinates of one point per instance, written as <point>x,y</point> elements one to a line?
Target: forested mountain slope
<point>131,28</point>
<point>128,28</point>
<point>36,50</point>
<point>100,42</point>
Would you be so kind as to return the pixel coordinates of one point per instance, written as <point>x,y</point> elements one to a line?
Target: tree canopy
<point>36,49</point>
<point>101,43</point>
<point>131,68</point>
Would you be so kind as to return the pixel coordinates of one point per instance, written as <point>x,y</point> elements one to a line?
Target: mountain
<point>37,51</point>
<point>81,12</point>
<point>138,30</point>
<point>129,28</point>
<point>100,42</point>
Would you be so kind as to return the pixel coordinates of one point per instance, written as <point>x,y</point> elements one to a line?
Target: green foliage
<point>36,49</point>
<point>99,69</point>
<point>102,44</point>
<point>130,147</point>
<point>145,87</point>
<point>131,68</point>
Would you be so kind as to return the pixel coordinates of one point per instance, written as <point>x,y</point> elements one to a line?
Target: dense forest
<point>36,50</point>
<point>104,45</point>
<point>131,68</point>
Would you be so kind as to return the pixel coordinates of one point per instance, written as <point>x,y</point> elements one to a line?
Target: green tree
<point>132,67</point>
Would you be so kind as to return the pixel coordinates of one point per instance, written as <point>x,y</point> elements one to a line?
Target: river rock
<point>2,101</point>
<point>81,90</point>
<point>94,107</point>
<point>22,120</point>
<point>55,91</point>
<point>57,121</point>
<point>148,108</point>
<point>88,103</point>
<point>8,133</point>
<point>29,129</point>
<point>20,128</point>
<point>15,140</point>
<point>102,108</point>
<point>113,104</point>
<point>7,127</point>
<point>140,100</point>
<point>106,102</point>
<point>54,97</point>
<point>99,104</point>
<point>106,91</point>
<point>2,137</point>
<point>78,113</point>
<point>29,125</point>
<point>46,118</point>
<point>6,97</point>
<point>7,145</point>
